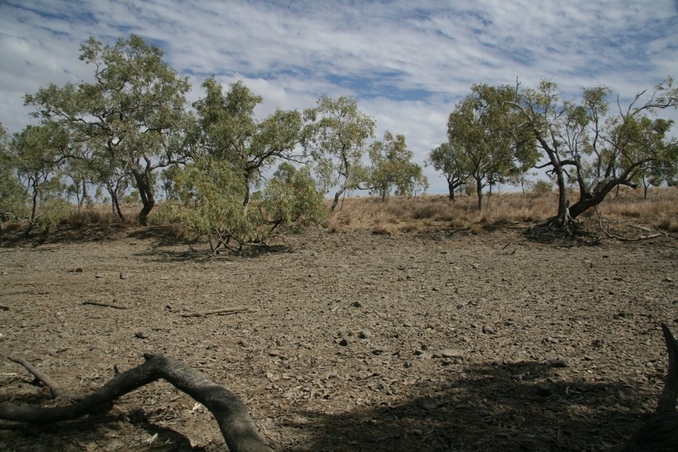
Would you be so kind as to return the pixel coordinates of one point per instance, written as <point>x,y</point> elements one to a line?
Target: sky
<point>406,62</point>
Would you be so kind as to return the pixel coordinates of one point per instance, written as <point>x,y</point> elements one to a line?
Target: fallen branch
<point>626,239</point>
<point>220,311</point>
<point>235,423</point>
<point>661,431</point>
<point>54,388</point>
<point>105,305</point>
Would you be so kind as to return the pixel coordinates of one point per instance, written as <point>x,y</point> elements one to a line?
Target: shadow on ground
<point>508,407</point>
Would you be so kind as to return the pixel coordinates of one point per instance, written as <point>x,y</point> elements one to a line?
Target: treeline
<point>234,177</point>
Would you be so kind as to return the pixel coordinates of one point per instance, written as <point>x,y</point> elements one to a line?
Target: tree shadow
<point>85,433</point>
<point>495,407</point>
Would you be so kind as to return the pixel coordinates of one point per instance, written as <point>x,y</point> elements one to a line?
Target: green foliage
<point>53,211</point>
<point>12,193</point>
<point>211,203</point>
<point>37,153</point>
<point>392,168</point>
<point>292,195</point>
<point>448,159</point>
<point>585,144</point>
<point>486,139</point>
<point>542,187</point>
<point>336,138</point>
<point>230,133</point>
<point>129,122</point>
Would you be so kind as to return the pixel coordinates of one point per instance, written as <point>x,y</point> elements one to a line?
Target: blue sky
<point>406,62</point>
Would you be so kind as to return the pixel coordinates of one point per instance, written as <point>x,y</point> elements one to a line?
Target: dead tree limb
<point>234,421</point>
<point>54,388</point>
<point>220,311</point>
<point>660,433</point>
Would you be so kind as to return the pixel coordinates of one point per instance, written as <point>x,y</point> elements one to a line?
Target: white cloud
<point>406,62</point>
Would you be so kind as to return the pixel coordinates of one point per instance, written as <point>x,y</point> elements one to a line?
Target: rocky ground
<point>351,341</point>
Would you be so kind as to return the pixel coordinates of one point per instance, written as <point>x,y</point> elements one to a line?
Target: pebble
<point>428,403</point>
<point>365,334</point>
<point>488,330</point>
<point>449,353</point>
<point>546,388</point>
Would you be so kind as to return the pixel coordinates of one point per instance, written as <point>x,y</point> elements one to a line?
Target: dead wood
<point>234,421</point>
<point>54,388</point>
<point>660,433</point>
<point>233,310</point>
<point>626,239</point>
<point>105,305</point>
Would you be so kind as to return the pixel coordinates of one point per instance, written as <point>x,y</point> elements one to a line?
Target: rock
<point>123,275</point>
<point>668,279</point>
<point>365,334</point>
<point>488,329</point>
<point>343,342</point>
<point>449,353</point>
<point>546,388</point>
<point>428,403</point>
<point>141,335</point>
<point>356,304</point>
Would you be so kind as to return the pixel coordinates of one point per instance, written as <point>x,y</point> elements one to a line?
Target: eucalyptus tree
<point>486,138</point>
<point>215,194</point>
<point>598,150</point>
<point>447,159</point>
<point>37,153</point>
<point>132,116</point>
<point>336,137</point>
<point>392,168</point>
<point>12,193</point>
<point>231,132</point>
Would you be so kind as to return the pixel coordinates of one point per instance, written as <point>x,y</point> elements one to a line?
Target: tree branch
<point>234,421</point>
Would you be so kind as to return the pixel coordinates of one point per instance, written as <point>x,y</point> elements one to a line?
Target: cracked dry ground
<point>359,342</point>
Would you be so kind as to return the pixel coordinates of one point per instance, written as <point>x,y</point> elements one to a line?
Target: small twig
<point>54,388</point>
<point>220,311</point>
<point>105,305</point>
<point>641,227</point>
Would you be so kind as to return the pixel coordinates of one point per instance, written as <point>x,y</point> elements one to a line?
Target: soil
<point>352,341</point>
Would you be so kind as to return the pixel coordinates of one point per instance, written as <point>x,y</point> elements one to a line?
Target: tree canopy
<point>130,121</point>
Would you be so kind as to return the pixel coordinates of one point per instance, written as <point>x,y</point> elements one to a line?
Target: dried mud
<point>359,342</point>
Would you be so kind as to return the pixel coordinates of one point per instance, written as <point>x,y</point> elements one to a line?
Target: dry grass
<point>400,215</point>
<point>436,212</point>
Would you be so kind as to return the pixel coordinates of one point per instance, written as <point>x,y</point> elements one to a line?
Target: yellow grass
<point>399,215</point>
<point>436,212</point>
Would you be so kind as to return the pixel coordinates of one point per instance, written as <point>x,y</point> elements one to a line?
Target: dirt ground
<point>359,342</point>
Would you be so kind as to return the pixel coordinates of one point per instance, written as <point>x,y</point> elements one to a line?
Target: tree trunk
<point>115,202</point>
<point>337,195</point>
<point>146,194</point>
<point>234,421</point>
<point>479,188</point>
<point>660,432</point>
<point>451,188</point>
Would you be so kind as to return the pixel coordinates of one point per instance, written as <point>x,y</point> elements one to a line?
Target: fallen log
<point>660,433</point>
<point>235,423</point>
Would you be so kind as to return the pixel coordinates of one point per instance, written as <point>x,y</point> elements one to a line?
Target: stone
<point>365,334</point>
